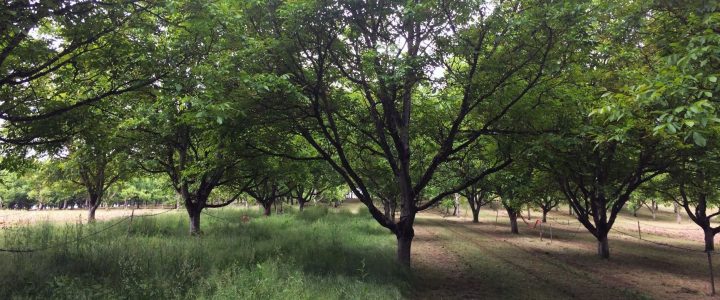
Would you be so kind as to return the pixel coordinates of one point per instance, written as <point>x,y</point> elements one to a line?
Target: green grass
<point>309,255</point>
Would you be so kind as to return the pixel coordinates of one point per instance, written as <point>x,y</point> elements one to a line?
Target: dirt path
<point>456,259</point>
<point>456,263</point>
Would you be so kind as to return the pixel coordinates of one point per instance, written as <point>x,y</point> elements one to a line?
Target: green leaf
<point>699,139</point>
<point>712,79</point>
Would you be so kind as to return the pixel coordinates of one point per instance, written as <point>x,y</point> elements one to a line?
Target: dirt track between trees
<point>456,259</point>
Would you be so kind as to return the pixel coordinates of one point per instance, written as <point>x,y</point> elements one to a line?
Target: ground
<point>456,259</point>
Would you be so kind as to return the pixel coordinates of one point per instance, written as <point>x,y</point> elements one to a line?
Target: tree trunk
<point>268,209</point>
<point>513,221</point>
<point>456,205</point>
<point>301,204</point>
<point>93,202</point>
<point>404,244</point>
<point>194,222</point>
<point>603,247</point>
<point>528,209</point>
<point>709,239</point>
<point>405,234</point>
<point>91,213</point>
<point>653,209</point>
<point>545,212</point>
<point>476,215</point>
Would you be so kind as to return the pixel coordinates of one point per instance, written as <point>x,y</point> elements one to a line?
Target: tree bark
<point>91,213</point>
<point>603,247</point>
<point>301,204</point>
<point>544,217</point>
<point>93,203</point>
<point>194,222</point>
<point>456,205</point>
<point>709,239</point>
<point>513,220</point>
<point>476,215</point>
<point>404,244</point>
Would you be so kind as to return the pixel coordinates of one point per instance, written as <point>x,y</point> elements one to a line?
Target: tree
<point>402,80</point>
<point>695,178</point>
<point>57,56</point>
<point>96,157</point>
<point>544,192</point>
<point>512,186</point>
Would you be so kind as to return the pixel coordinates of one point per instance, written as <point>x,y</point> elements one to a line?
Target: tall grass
<point>308,255</point>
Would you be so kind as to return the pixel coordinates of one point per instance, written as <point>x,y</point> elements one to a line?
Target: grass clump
<point>301,255</point>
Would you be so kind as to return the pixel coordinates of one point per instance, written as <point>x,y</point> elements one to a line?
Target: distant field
<point>24,217</point>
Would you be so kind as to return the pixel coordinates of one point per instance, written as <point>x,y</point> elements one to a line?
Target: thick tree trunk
<point>603,247</point>
<point>476,215</point>
<point>709,239</point>
<point>544,218</point>
<point>195,223</point>
<point>404,244</point>
<point>301,204</point>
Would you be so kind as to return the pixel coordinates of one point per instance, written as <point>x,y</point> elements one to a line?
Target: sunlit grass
<point>309,255</point>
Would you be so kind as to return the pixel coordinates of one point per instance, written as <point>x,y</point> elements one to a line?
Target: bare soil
<point>456,259</point>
